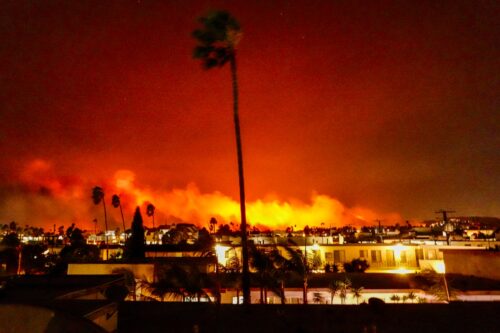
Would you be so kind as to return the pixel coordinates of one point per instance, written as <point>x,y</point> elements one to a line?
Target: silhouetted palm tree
<point>412,296</point>
<point>395,298</point>
<point>267,270</point>
<point>357,293</point>
<point>334,288</point>
<point>98,197</point>
<point>297,264</point>
<point>116,202</point>
<point>180,282</point>
<point>345,286</point>
<point>317,298</point>
<point>129,278</point>
<point>150,211</point>
<point>217,41</point>
<point>213,223</point>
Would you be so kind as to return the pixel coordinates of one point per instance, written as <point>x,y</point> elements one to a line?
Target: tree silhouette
<point>262,265</point>
<point>345,286</point>
<point>296,264</point>
<point>213,223</point>
<point>129,278</point>
<point>395,298</point>
<point>412,296</point>
<point>78,250</point>
<point>356,266</point>
<point>10,247</point>
<point>334,288</point>
<point>357,292</point>
<point>178,282</point>
<point>135,247</point>
<point>116,202</point>
<point>98,197</point>
<point>150,211</point>
<point>217,41</point>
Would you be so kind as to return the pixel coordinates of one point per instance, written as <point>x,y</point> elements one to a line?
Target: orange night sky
<point>350,111</point>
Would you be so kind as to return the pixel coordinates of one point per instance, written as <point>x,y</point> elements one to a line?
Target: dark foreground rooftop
<point>45,287</point>
<point>387,318</point>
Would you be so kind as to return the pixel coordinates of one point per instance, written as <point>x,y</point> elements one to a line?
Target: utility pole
<point>379,231</point>
<point>445,220</point>
<point>445,214</point>
<point>445,223</point>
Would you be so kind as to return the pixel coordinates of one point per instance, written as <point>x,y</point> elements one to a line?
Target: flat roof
<point>46,287</point>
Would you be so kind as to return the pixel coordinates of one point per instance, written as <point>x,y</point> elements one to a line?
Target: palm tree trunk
<point>105,231</point>
<point>243,226</point>
<point>154,231</point>
<point>304,290</point>
<point>123,221</point>
<point>19,259</point>
<point>283,299</point>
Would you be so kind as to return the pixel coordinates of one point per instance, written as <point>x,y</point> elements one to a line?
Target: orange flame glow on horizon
<point>68,200</point>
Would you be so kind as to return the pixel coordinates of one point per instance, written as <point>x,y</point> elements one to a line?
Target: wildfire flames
<point>42,198</point>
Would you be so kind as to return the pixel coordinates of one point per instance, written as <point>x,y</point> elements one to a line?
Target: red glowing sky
<point>392,107</point>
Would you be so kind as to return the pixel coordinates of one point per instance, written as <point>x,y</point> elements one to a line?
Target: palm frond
<point>150,210</point>
<point>200,52</point>
<point>296,261</point>
<point>210,63</point>
<point>115,200</point>
<point>217,39</point>
<point>97,195</point>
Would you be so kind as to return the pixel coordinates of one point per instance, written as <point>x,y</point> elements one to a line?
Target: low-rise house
<point>381,257</point>
<point>82,298</point>
<point>485,264</point>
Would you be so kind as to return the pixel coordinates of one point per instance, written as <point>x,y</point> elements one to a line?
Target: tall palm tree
<point>217,41</point>
<point>297,264</point>
<point>150,211</point>
<point>116,202</point>
<point>98,197</point>
<point>269,269</point>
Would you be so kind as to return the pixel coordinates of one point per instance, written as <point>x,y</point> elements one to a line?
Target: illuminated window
<point>419,254</point>
<point>390,257</point>
<point>363,253</point>
<point>293,300</point>
<point>403,257</point>
<point>376,256</point>
<point>235,300</point>
<point>339,256</point>
<point>431,254</point>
